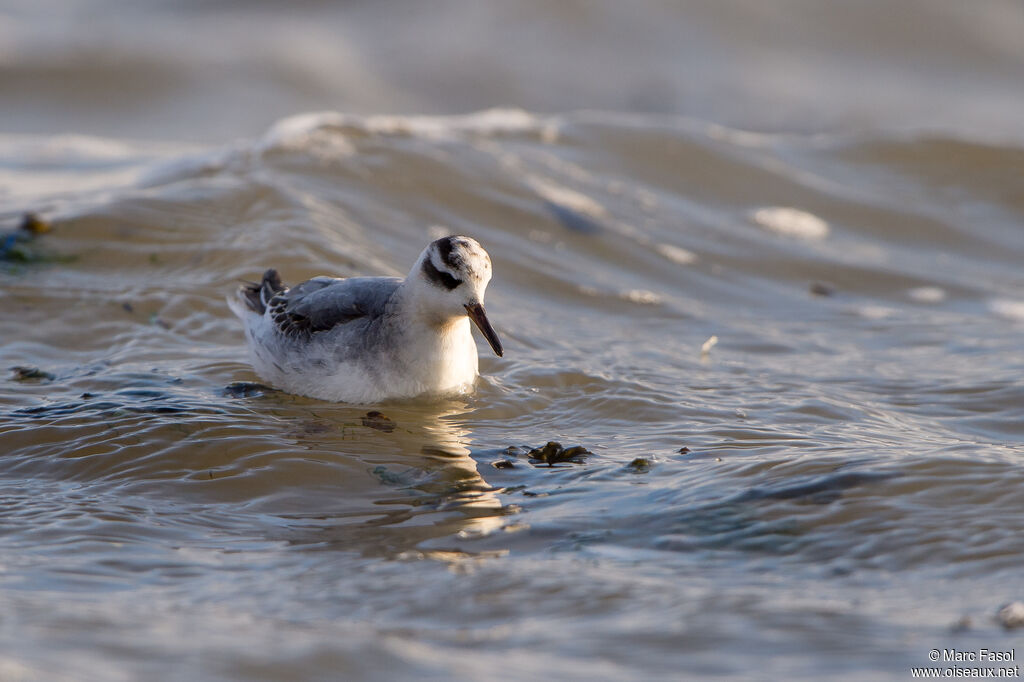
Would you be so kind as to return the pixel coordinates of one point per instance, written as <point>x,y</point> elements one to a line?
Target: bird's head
<point>450,278</point>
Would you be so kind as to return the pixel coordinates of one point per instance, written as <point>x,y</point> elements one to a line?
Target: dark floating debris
<point>683,450</point>
<point>640,465</point>
<point>1011,616</point>
<point>155,319</point>
<point>13,245</point>
<point>379,421</point>
<point>33,224</point>
<point>822,289</point>
<point>16,246</point>
<point>553,453</point>
<point>246,389</point>
<point>964,624</point>
<point>31,374</point>
<point>504,464</point>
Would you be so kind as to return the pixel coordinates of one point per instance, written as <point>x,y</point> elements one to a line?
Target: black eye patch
<point>439,278</point>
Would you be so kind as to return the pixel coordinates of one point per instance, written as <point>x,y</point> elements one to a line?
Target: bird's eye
<point>443,279</point>
<point>449,281</point>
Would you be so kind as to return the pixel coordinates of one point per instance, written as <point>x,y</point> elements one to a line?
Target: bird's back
<point>318,304</point>
<point>301,337</point>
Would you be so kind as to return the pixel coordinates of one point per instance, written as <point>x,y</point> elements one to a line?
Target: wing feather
<point>323,303</point>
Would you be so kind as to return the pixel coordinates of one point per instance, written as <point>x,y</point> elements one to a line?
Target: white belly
<point>429,360</point>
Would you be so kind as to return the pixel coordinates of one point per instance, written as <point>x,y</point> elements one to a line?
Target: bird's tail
<point>253,297</point>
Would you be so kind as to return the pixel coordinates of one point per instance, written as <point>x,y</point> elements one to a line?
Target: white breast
<point>420,359</point>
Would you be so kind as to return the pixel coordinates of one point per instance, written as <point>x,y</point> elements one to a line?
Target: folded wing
<point>323,303</point>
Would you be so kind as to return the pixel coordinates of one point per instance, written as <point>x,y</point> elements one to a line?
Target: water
<point>829,491</point>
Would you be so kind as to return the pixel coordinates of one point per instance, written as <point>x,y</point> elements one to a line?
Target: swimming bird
<point>367,339</point>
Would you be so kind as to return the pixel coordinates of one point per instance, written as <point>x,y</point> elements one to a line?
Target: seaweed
<point>378,420</point>
<point>31,374</point>
<point>640,465</point>
<point>553,453</point>
<point>246,389</point>
<point>821,289</point>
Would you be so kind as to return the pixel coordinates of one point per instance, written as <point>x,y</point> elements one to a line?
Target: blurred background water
<point>832,191</point>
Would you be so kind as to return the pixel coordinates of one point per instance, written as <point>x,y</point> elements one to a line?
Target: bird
<point>369,339</point>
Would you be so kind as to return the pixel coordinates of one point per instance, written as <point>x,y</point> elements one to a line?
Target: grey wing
<point>323,303</point>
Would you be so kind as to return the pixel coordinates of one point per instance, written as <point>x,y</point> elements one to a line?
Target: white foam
<point>302,124</point>
<point>1009,309</point>
<point>875,312</point>
<point>677,254</point>
<point>641,296</point>
<point>319,133</point>
<point>927,294</point>
<point>743,138</point>
<point>791,222</point>
<point>294,130</point>
<point>1011,615</point>
<point>486,122</point>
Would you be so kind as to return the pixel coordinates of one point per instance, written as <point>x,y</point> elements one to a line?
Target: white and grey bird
<point>367,339</point>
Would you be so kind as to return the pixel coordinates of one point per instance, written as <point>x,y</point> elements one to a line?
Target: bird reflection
<point>424,495</point>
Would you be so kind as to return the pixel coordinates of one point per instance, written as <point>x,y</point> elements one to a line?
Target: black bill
<point>479,317</point>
